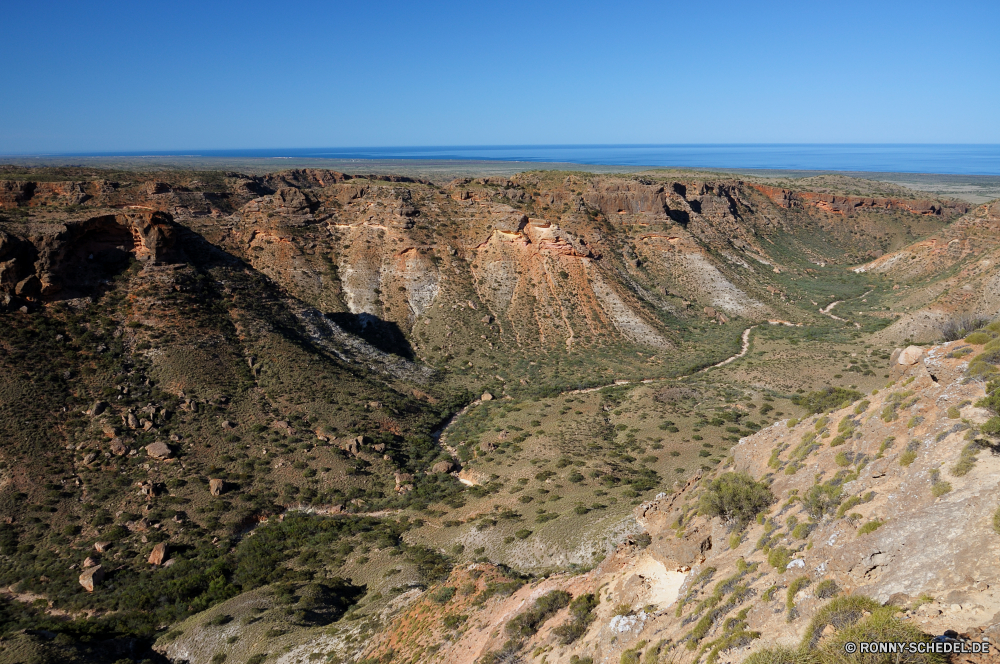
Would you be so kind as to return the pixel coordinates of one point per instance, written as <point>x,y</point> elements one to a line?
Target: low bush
<point>527,623</point>
<point>735,497</point>
<point>826,400</point>
<point>581,611</point>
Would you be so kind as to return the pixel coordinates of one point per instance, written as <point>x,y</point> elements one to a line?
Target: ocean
<point>885,158</point>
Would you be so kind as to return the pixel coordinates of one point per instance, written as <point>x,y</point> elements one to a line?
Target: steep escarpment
<point>282,408</point>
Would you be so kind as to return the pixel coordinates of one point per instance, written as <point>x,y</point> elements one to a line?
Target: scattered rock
<point>91,577</point>
<point>911,355</point>
<point>486,396</point>
<point>90,458</point>
<point>90,562</point>
<point>118,448</point>
<point>226,424</point>
<point>487,319</point>
<point>380,447</point>
<point>98,408</point>
<point>132,421</point>
<point>216,487</point>
<point>158,554</point>
<point>829,630</point>
<point>374,405</point>
<point>159,450</point>
<point>101,547</point>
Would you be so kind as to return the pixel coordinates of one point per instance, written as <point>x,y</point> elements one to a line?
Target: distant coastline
<point>957,159</point>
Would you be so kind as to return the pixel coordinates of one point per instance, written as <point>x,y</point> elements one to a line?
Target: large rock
<point>216,487</point>
<point>442,467</point>
<point>159,450</point>
<point>910,356</point>
<point>98,408</point>
<point>91,578</point>
<point>159,554</point>
<point>486,396</point>
<point>29,287</point>
<point>118,448</point>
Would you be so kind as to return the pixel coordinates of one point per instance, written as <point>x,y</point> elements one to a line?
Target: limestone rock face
<point>91,578</point>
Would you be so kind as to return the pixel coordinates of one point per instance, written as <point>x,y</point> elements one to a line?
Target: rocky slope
<point>190,358</point>
<point>890,498</point>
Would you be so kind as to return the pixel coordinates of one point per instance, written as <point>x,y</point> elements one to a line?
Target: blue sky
<point>109,76</point>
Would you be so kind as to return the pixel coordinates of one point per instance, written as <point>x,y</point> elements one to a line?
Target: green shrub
<point>801,531</point>
<point>826,400</point>
<point>736,498</point>
<point>793,589</point>
<point>839,613</point>
<point>443,594</point>
<point>907,457</point>
<point>826,589</point>
<point>996,521</point>
<point>822,499</point>
<point>842,460</point>
<point>527,623</point>
<point>581,611</point>
<point>778,655</point>
<point>978,338</point>
<point>870,527</point>
<point>881,626</point>
<point>779,557</point>
<point>954,413</point>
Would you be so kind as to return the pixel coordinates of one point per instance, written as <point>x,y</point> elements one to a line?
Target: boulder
<point>910,356</point>
<point>403,478</point>
<point>159,554</point>
<point>380,447</point>
<point>159,450</point>
<point>90,458</point>
<point>710,312</point>
<point>226,424</point>
<point>98,408</point>
<point>486,396</point>
<point>442,467</point>
<point>216,487</point>
<point>101,547</point>
<point>29,287</point>
<point>91,577</point>
<point>132,421</point>
<point>90,562</point>
<point>118,448</point>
